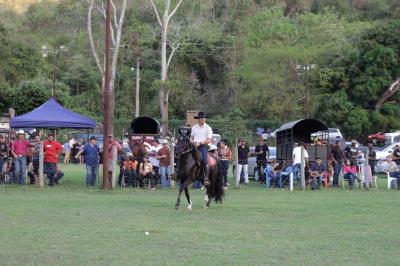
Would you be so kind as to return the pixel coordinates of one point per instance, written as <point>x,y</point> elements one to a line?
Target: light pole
<point>302,72</point>
<point>51,50</point>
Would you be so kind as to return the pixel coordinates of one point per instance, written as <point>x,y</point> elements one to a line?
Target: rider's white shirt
<point>201,133</point>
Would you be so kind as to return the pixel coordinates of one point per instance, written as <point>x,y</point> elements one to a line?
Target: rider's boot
<point>206,174</point>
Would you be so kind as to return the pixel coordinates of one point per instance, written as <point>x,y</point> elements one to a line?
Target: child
<point>146,171</point>
<point>349,172</point>
<point>129,170</point>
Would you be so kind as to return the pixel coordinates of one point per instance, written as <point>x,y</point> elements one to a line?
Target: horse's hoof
<point>176,207</point>
<point>189,208</point>
<point>205,207</point>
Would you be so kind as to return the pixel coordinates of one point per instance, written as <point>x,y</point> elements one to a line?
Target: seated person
<point>273,175</point>
<point>146,171</point>
<point>349,172</point>
<point>129,170</point>
<point>317,170</point>
<point>393,170</point>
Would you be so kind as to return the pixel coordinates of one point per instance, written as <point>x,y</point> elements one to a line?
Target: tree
<point>164,23</point>
<point>116,32</point>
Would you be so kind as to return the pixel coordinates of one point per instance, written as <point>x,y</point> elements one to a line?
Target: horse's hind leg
<point>189,207</point>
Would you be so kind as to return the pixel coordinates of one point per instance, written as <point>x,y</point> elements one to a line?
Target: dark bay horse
<point>189,170</point>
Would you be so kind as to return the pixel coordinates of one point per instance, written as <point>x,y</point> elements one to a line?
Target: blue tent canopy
<point>51,114</point>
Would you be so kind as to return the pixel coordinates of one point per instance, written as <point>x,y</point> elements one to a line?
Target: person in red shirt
<point>52,149</point>
<point>19,150</point>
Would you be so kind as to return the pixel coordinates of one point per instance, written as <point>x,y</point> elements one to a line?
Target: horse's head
<point>184,145</point>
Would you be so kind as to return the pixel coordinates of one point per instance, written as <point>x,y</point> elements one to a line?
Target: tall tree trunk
<point>164,90</point>
<point>394,87</point>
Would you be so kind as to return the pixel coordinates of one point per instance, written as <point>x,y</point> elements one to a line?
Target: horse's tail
<point>217,181</point>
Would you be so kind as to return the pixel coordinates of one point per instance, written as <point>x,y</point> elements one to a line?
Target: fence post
<point>41,158</point>
<point>114,166</point>
<point>302,165</point>
<point>172,159</point>
<point>237,174</point>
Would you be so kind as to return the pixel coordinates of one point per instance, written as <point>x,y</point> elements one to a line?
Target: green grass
<point>74,225</point>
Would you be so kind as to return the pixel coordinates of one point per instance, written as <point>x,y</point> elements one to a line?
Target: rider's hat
<point>212,147</point>
<point>200,115</point>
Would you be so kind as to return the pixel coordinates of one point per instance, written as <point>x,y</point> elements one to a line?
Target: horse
<point>190,169</point>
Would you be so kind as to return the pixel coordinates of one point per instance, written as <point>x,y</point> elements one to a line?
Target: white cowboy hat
<point>212,147</point>
<point>129,154</point>
<point>21,131</point>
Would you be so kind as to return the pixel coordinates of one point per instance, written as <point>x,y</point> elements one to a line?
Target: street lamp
<point>51,50</point>
<point>302,72</point>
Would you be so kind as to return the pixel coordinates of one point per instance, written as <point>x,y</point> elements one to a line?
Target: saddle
<point>212,160</point>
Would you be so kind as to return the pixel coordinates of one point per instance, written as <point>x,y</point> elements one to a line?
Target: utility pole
<point>45,51</point>
<point>302,72</point>
<point>106,113</point>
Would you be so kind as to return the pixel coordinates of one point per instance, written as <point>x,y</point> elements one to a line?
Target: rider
<point>201,136</point>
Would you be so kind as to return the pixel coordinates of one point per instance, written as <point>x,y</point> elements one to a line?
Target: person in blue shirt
<point>317,170</point>
<point>91,153</point>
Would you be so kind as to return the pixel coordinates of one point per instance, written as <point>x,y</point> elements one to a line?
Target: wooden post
<point>106,99</point>
<point>41,158</point>
<point>137,101</point>
<point>291,181</point>
<point>302,173</point>
<point>172,158</point>
<point>237,174</point>
<point>114,166</point>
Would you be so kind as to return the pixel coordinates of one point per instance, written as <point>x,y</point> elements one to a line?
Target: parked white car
<point>392,137</point>
<point>383,153</point>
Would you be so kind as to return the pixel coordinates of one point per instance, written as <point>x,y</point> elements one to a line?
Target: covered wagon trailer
<point>303,131</point>
<point>144,128</point>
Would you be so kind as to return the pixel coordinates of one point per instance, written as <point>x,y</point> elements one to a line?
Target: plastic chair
<point>356,183</point>
<point>390,179</point>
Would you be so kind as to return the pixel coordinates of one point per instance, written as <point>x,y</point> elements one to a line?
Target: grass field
<point>74,225</point>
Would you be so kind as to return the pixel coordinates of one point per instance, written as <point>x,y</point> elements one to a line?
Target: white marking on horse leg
<point>189,207</point>
<point>205,201</point>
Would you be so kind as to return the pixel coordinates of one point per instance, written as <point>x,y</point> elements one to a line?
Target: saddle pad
<point>211,161</point>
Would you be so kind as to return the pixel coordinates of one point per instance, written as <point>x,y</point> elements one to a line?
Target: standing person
<point>19,150</point>
<point>163,155</point>
<point>52,149</point>
<point>67,152</point>
<point>371,158</point>
<point>201,136</point>
<point>91,152</point>
<point>262,153</point>
<point>243,156</point>
<point>337,159</point>
<point>351,152</point>
<point>3,152</point>
<point>111,143</point>
<point>35,157</point>
<point>296,157</point>
<point>225,155</point>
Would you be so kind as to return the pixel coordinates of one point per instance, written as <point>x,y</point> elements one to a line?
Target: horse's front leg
<point>189,207</point>
<point>178,200</point>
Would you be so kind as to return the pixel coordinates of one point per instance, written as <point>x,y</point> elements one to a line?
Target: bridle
<point>187,146</point>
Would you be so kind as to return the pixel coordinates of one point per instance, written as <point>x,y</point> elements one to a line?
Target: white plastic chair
<point>355,184</point>
<point>389,180</point>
